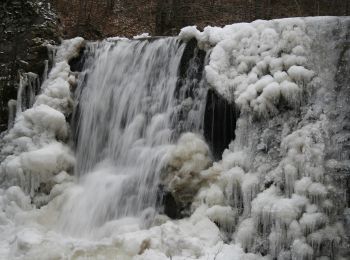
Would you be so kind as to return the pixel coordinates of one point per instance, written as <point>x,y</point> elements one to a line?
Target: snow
<point>188,33</point>
<point>141,36</point>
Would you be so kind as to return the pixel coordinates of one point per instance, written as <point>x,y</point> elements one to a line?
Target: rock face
<point>26,27</point>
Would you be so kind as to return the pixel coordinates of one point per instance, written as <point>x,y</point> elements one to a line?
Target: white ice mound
<point>34,151</point>
<point>257,65</point>
<point>69,49</point>
<point>188,159</point>
<point>46,120</point>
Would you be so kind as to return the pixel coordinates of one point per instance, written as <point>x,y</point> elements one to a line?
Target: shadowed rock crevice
<point>76,64</point>
<point>168,204</point>
<point>219,123</point>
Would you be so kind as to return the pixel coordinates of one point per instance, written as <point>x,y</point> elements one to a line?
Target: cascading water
<point>127,120</point>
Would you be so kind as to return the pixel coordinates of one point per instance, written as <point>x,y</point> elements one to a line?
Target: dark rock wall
<point>219,123</point>
<point>25,29</point>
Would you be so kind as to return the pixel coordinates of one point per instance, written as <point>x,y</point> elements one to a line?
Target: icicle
<point>22,82</point>
<point>290,175</point>
<point>250,188</point>
<point>245,233</point>
<point>12,104</point>
<point>224,216</point>
<point>276,241</point>
<point>309,222</point>
<point>317,192</point>
<point>46,71</point>
<point>29,86</point>
<point>233,179</point>
<point>301,250</point>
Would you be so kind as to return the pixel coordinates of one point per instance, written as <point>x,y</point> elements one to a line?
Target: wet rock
<point>77,63</point>
<point>219,123</point>
<point>171,209</point>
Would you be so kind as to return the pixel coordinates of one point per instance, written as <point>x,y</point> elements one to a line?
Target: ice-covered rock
<point>245,56</point>
<point>184,176</point>
<point>34,149</point>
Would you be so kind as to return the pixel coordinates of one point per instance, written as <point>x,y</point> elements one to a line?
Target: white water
<point>127,121</point>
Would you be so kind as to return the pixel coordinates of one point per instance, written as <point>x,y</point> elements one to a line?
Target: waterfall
<point>131,100</point>
<point>226,143</point>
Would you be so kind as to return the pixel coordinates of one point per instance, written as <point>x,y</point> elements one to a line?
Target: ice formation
<point>264,68</point>
<point>28,87</point>
<point>34,149</point>
<point>185,174</point>
<point>257,65</point>
<point>272,195</point>
<point>141,36</point>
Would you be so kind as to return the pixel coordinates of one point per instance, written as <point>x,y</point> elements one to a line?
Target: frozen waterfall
<point>227,143</point>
